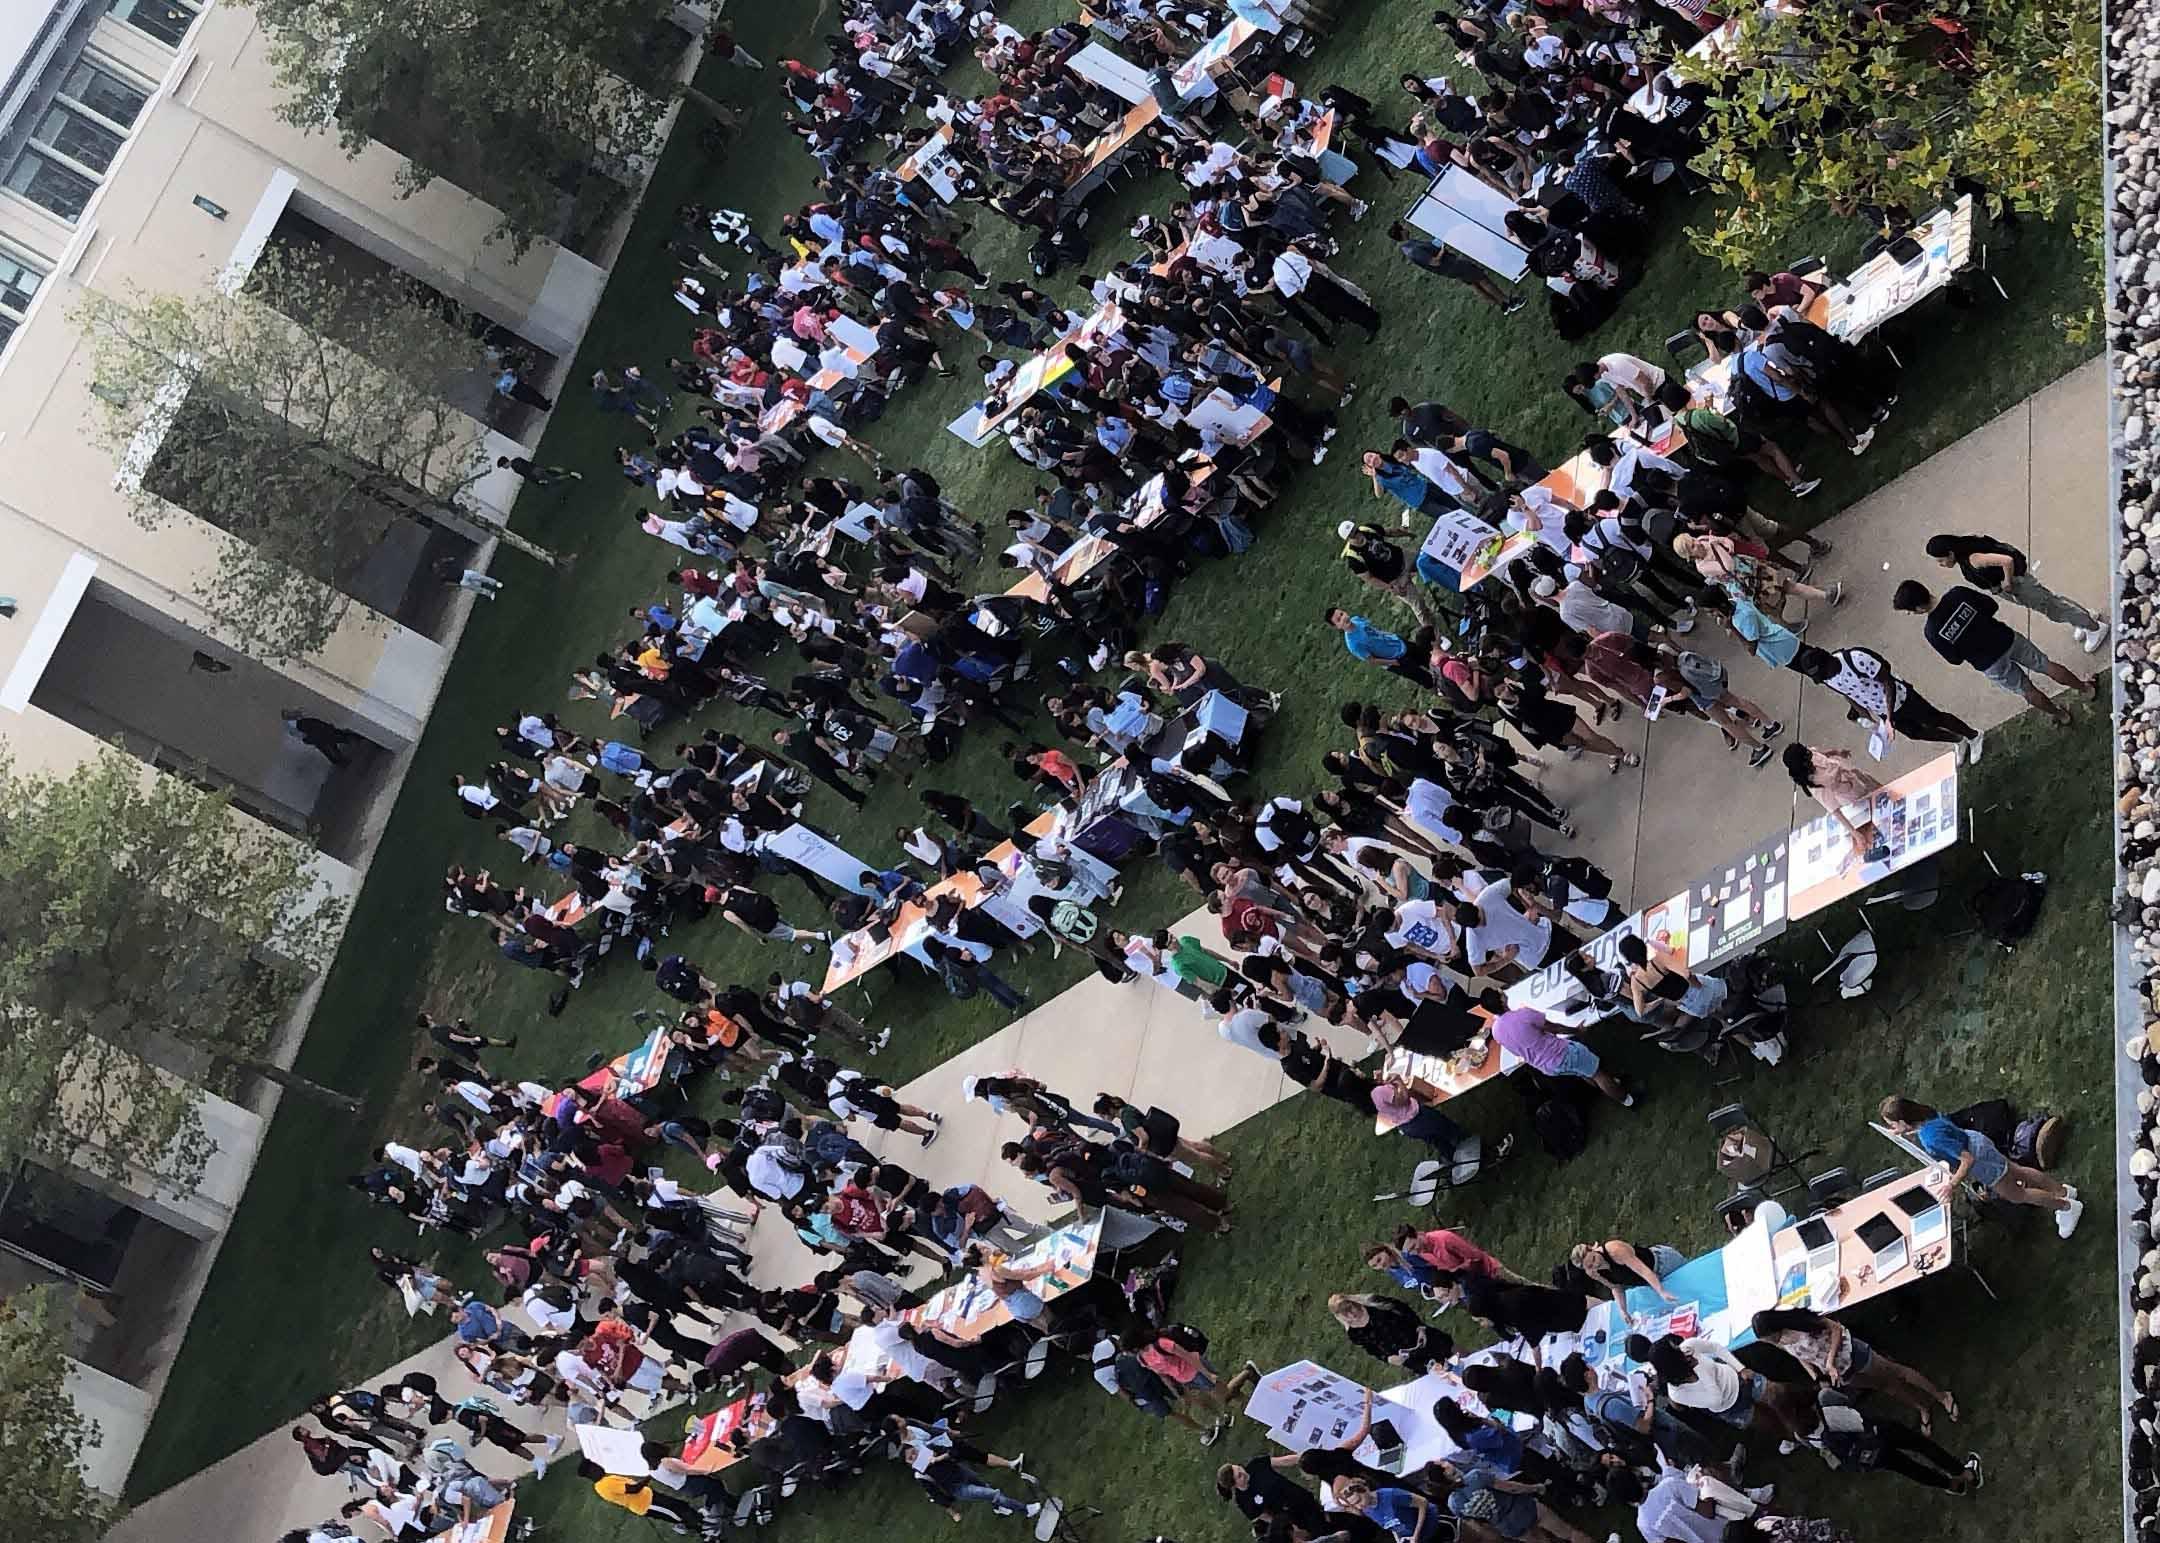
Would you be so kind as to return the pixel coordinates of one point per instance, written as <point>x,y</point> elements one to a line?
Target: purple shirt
<point>1523,1031</point>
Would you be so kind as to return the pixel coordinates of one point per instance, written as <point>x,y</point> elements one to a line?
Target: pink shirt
<point>1451,1251</point>
<point>1523,1031</point>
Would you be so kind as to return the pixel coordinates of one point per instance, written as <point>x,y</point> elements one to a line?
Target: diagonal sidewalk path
<point>2035,476</point>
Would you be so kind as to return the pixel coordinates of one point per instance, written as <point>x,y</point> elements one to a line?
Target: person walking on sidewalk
<point>1964,628</point>
<point>1881,699</point>
<point>1998,568</point>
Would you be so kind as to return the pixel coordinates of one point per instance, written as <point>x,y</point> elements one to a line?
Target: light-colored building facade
<point>141,150</point>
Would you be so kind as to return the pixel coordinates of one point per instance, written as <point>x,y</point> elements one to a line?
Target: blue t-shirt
<point>1475,1499</point>
<point>1943,1139</point>
<point>1396,1510</point>
<point>1499,1446</point>
<point>1407,483</point>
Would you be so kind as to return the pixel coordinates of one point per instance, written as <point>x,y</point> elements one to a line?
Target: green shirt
<point>1705,423</point>
<point>1191,961</point>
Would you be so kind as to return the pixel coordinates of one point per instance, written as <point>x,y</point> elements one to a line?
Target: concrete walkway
<point>2036,477</point>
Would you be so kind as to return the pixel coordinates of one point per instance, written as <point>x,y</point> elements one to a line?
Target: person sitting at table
<point>1616,1265</point>
<point>1404,1113</point>
<point>1972,1157</point>
<point>1838,1358</point>
<point>1656,973</point>
<point>1391,1331</point>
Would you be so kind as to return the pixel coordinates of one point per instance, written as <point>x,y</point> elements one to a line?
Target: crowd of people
<point>1391,906</point>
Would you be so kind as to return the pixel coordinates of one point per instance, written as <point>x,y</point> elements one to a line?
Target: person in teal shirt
<point>1406,485</point>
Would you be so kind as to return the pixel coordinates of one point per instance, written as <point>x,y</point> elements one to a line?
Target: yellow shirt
<point>633,1495</point>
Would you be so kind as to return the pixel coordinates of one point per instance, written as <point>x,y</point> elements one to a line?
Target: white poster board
<point>1454,537</point>
<point>853,334</point>
<point>1305,1405</point>
<point>1119,76</point>
<point>1470,216</point>
<point>834,864</point>
<point>1221,412</point>
<point>618,1451</point>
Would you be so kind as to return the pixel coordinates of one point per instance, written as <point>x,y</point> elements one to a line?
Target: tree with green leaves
<point>43,1436</point>
<point>303,414</point>
<point>518,102</point>
<point>152,941</point>
<point>1839,109</point>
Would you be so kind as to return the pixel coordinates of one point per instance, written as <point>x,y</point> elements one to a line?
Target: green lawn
<point>1953,1018</point>
<point>293,1273</point>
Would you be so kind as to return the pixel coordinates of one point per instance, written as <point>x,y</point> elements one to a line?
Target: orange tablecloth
<point>908,922</point>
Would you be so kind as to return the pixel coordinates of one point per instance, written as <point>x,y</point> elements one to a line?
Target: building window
<point>52,184</point>
<point>78,137</point>
<point>73,141</point>
<point>97,91</point>
<point>165,20</point>
<point>18,286</point>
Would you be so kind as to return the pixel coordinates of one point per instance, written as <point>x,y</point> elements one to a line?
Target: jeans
<point>2027,590</point>
<point>1435,1129</point>
<point>975,1489</point>
<point>1000,989</point>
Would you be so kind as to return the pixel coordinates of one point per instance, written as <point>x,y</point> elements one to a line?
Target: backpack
<point>2007,906</point>
<point>1186,1337</point>
<point>1560,1128</point>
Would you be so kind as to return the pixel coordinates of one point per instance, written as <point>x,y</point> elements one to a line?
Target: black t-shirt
<point>755,909</point>
<point>1301,1062</point>
<point>1268,1492</point>
<point>1966,548</point>
<point>1964,629</point>
<point>1382,559</point>
<point>1429,422</point>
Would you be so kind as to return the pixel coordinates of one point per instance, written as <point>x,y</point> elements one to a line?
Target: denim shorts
<point>2009,672</point>
<point>1578,1060</point>
<point>1989,1165</point>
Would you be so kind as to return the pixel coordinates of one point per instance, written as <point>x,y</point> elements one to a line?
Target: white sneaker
<point>1359,210</point>
<point>1972,749</point>
<point>2066,1220</point>
<point>2095,638</point>
<point>1860,444</point>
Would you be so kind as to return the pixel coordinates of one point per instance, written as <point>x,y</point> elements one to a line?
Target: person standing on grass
<point>1434,258</point>
<point>1964,628</point>
<point>1972,1157</point>
<point>946,1467</point>
<point>1997,568</point>
<point>1838,1358</point>
<point>1531,1037</point>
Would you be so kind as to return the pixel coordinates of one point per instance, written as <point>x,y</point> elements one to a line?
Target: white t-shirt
<point>1500,924</point>
<point>827,430</point>
<point>1637,375</point>
<point>1292,272</point>
<point>1418,924</point>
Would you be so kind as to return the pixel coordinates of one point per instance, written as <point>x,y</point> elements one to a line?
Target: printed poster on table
<point>969,1309</point>
<point>1909,818</point>
<point>707,1446</point>
<point>1305,1405</point>
<point>1737,905</point>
